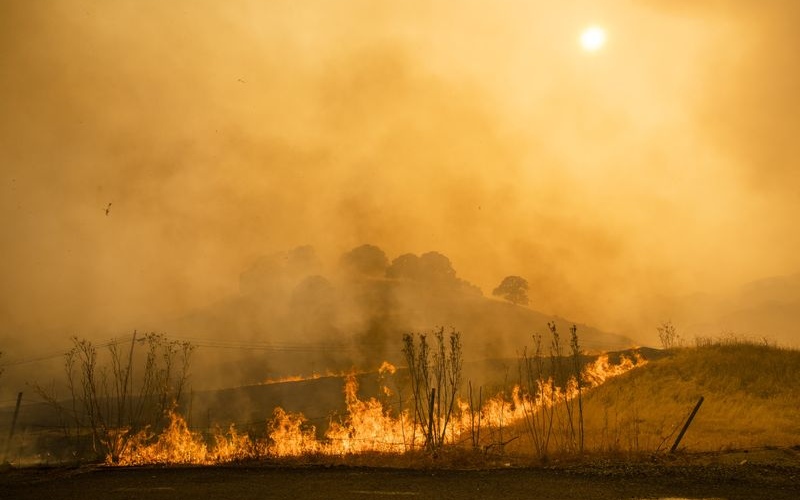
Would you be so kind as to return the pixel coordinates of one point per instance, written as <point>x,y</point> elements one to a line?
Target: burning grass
<point>562,406</point>
<point>368,427</point>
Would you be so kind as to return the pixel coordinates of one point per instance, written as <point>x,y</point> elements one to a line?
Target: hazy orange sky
<point>666,163</point>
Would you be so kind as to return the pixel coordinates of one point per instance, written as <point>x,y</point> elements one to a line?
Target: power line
<point>210,343</point>
<point>56,354</point>
<point>269,346</point>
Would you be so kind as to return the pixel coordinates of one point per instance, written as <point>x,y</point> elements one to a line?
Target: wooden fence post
<point>686,425</point>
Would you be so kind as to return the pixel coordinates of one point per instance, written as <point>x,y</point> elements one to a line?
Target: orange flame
<point>290,435</point>
<point>175,445</point>
<point>367,427</point>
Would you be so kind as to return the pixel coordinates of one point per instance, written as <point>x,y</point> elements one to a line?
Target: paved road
<point>264,483</point>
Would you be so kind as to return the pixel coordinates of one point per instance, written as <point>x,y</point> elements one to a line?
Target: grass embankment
<point>752,399</point>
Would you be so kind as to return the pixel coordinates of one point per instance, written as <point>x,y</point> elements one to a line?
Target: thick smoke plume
<point>153,151</point>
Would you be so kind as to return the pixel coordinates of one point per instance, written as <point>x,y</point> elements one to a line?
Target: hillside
<point>751,400</point>
<point>359,324</point>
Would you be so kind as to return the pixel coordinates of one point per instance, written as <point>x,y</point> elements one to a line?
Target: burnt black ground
<point>585,482</point>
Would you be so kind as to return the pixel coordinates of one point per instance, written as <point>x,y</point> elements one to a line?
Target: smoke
<point>221,132</point>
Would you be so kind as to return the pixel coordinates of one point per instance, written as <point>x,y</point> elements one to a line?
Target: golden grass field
<point>751,399</point>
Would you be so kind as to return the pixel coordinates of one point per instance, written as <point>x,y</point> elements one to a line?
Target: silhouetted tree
<point>436,268</point>
<point>407,267</point>
<point>514,289</point>
<point>366,260</point>
<point>430,267</point>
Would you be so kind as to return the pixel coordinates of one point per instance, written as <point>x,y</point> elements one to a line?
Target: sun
<point>593,38</point>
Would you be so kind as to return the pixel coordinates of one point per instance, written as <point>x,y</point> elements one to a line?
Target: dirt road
<point>319,482</point>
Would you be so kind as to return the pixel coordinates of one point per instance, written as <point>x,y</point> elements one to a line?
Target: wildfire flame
<point>290,435</point>
<point>368,426</point>
<point>291,378</point>
<point>176,445</point>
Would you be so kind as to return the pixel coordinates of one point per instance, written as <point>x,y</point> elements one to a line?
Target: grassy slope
<point>752,399</point>
<point>370,317</point>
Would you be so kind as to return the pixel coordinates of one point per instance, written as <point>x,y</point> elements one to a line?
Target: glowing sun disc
<point>593,38</point>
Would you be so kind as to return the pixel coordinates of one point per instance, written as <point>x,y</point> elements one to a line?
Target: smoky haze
<point>153,151</point>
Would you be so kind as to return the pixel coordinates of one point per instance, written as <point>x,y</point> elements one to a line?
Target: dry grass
<point>751,400</point>
<point>750,396</point>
